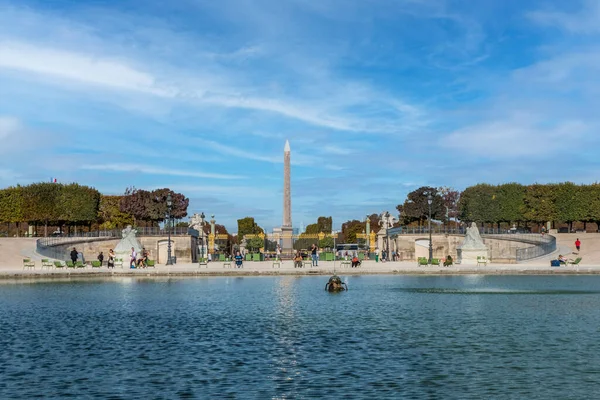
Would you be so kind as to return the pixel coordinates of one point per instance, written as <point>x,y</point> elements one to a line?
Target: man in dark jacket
<point>74,255</point>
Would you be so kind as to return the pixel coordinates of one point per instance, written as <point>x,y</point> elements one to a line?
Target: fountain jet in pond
<point>335,284</point>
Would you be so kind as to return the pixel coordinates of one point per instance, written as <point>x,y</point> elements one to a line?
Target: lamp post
<point>429,201</point>
<point>202,216</point>
<point>169,206</point>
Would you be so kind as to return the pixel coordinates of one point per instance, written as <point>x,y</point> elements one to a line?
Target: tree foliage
<point>416,207</point>
<point>110,215</point>
<point>247,226</point>
<point>11,204</point>
<point>151,206</point>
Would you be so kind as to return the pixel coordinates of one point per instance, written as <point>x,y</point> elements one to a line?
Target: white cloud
<point>9,126</point>
<point>80,67</point>
<point>515,137</point>
<point>585,21</point>
<point>144,169</point>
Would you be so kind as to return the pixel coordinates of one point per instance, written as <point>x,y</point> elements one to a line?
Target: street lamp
<point>202,216</point>
<point>169,207</point>
<point>429,201</point>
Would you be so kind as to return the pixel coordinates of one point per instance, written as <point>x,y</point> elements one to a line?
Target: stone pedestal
<point>287,241</point>
<point>469,256</point>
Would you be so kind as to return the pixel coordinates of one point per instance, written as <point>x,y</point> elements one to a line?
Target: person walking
<point>132,259</point>
<point>578,244</point>
<point>313,251</point>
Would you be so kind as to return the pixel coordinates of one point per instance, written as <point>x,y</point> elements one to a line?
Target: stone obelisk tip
<point>286,149</point>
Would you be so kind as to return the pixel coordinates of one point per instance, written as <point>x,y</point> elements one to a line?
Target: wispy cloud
<point>145,169</point>
<point>584,21</point>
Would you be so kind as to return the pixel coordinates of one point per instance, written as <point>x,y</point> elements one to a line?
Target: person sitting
<point>298,260</point>
<point>355,262</point>
<point>562,259</point>
<point>448,261</point>
<point>141,262</point>
<point>238,259</point>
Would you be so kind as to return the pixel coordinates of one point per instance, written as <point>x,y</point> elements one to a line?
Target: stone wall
<point>155,245</point>
<point>501,251</point>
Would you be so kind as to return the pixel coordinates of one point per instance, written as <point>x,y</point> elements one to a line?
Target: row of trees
<point>57,204</point>
<point>514,203</point>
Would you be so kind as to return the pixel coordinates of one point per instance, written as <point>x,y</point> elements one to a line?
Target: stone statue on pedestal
<point>472,247</point>
<point>123,248</point>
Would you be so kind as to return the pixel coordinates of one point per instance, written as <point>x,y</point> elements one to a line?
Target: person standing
<point>101,258</point>
<point>111,259</point>
<point>133,258</point>
<point>278,252</point>
<point>239,259</point>
<point>313,252</point>
<point>578,245</point>
<point>74,255</point>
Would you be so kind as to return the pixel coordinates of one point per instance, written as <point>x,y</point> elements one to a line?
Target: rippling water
<point>471,337</point>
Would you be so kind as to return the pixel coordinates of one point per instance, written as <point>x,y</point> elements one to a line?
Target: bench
<point>27,263</point>
<point>481,260</point>
<point>346,263</point>
<point>422,261</point>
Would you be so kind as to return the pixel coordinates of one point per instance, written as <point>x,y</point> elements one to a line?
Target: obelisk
<point>286,227</point>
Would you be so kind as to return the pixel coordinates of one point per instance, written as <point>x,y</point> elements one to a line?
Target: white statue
<point>127,242</point>
<point>386,220</point>
<point>196,222</point>
<point>473,240</point>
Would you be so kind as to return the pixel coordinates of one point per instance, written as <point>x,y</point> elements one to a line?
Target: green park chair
<point>435,261</point>
<point>58,265</point>
<point>70,264</point>
<point>361,256</point>
<point>79,264</point>
<point>46,263</point>
<point>150,263</point>
<point>96,264</point>
<point>27,263</point>
<point>481,260</point>
<point>119,262</point>
<point>221,257</point>
<point>202,262</point>
<point>422,261</point>
<point>576,262</point>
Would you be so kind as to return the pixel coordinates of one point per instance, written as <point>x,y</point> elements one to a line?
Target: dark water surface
<point>469,337</point>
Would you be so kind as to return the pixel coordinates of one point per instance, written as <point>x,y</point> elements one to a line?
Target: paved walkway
<point>287,268</point>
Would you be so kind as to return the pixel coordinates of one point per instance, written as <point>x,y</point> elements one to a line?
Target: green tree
<point>11,206</point>
<point>110,215</point>
<point>247,226</point>
<point>539,204</point>
<point>590,195</point>
<point>416,207</point>
<point>570,203</point>
<point>350,229</point>
<point>77,204</point>
<point>255,243</point>
<point>479,203</point>
<point>41,203</point>
<point>511,198</point>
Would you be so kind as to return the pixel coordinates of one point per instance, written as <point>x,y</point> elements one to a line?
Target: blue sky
<point>377,98</point>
